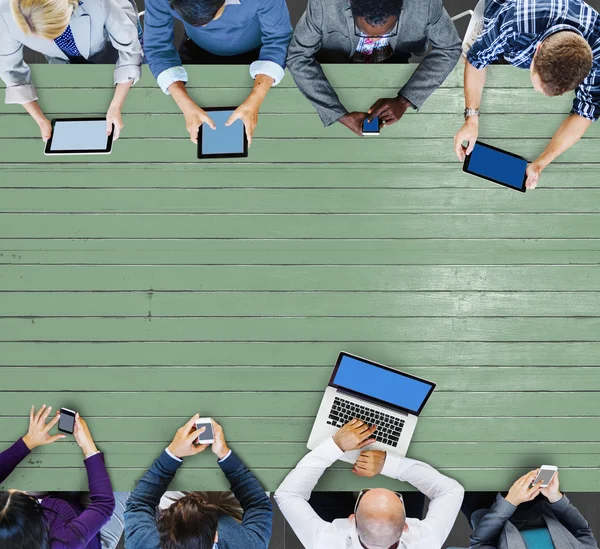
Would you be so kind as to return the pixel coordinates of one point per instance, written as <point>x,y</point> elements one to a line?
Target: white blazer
<point>99,28</point>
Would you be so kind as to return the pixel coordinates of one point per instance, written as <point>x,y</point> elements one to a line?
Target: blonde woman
<point>69,31</point>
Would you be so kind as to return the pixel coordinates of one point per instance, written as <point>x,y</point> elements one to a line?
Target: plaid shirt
<point>513,28</point>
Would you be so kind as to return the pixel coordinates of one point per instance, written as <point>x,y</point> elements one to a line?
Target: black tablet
<point>498,166</point>
<point>79,136</point>
<point>224,141</point>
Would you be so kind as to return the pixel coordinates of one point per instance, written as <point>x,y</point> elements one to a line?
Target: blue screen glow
<point>392,387</point>
<point>372,126</point>
<point>224,139</point>
<point>497,165</point>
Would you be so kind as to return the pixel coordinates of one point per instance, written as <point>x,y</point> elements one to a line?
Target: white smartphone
<point>208,437</point>
<point>546,475</point>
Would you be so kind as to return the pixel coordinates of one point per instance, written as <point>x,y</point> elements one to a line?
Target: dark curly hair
<point>190,523</point>
<point>376,12</point>
<point>197,12</point>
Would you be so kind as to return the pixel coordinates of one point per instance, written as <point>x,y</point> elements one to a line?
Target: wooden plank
<point>403,355</point>
<point>306,304</point>
<point>289,378</point>
<point>281,151</point>
<point>273,429</point>
<point>290,100</point>
<point>208,76</point>
<point>315,278</point>
<point>307,125</point>
<point>294,405</point>
<point>202,478</point>
<point>300,329</point>
<point>285,455</point>
<point>295,201</point>
<point>293,175</point>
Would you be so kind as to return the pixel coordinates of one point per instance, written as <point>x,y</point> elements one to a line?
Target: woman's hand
<point>83,436</point>
<point>45,128</point>
<point>114,119</point>
<point>184,443</point>
<point>38,434</point>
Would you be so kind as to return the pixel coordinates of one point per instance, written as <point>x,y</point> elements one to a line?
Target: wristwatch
<point>471,112</point>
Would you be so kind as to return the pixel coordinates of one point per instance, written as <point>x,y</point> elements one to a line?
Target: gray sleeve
<point>570,517</point>
<point>439,62</point>
<point>488,531</point>
<point>14,71</point>
<point>307,71</point>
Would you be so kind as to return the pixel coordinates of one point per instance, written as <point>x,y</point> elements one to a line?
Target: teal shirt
<point>537,538</point>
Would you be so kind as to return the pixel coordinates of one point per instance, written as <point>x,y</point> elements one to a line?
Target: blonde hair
<point>43,18</point>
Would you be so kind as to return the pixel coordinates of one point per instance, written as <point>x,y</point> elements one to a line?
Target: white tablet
<point>79,136</point>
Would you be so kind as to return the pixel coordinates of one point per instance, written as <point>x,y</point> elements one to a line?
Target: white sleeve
<point>123,34</point>
<point>446,494</point>
<point>293,494</point>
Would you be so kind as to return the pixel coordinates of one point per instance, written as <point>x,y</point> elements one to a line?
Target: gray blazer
<point>101,28</point>
<point>568,529</point>
<point>329,25</point>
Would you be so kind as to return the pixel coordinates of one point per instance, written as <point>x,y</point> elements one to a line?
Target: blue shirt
<point>244,25</point>
<point>513,29</point>
<point>537,538</point>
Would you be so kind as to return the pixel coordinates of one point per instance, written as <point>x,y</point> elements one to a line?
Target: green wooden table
<point>144,286</point>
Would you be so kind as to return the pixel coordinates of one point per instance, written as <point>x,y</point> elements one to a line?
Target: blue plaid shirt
<point>513,29</point>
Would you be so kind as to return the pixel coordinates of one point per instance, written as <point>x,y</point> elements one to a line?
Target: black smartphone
<point>66,423</point>
<point>372,127</point>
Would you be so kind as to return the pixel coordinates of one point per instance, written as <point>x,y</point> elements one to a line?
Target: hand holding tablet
<point>496,165</point>
<point>224,141</point>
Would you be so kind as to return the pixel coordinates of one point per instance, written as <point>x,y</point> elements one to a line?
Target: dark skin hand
<point>389,109</point>
<point>354,121</point>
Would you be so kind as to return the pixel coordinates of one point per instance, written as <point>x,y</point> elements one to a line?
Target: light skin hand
<point>184,442</point>
<point>355,435</point>
<point>33,108</point>
<point>247,112</point>
<point>474,82</point>
<point>369,463</point>
<point>467,134</point>
<point>193,114</point>
<point>219,446</point>
<point>569,132</point>
<point>38,433</point>
<point>113,115</point>
<point>354,121</point>
<point>522,491</point>
<point>552,491</point>
<point>83,436</point>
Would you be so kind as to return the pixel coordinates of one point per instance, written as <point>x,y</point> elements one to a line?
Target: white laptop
<point>382,396</point>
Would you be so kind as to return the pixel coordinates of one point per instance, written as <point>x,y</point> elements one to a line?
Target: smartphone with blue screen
<point>496,165</point>
<point>372,127</point>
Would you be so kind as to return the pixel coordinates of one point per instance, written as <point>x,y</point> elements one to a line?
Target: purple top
<point>71,527</point>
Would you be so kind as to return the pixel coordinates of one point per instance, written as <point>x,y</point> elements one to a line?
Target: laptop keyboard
<point>388,427</point>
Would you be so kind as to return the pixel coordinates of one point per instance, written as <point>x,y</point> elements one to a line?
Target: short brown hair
<point>562,62</point>
<point>190,523</point>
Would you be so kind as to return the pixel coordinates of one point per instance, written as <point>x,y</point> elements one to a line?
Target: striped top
<point>513,29</point>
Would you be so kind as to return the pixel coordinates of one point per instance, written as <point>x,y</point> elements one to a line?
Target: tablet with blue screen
<point>498,166</point>
<point>224,141</point>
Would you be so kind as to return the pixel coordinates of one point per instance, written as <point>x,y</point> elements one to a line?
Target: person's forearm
<point>262,85</point>
<point>474,83</point>
<point>121,91</point>
<point>34,109</point>
<point>569,132</point>
<point>180,94</point>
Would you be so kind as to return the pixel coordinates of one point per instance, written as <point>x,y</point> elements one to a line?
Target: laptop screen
<point>381,383</point>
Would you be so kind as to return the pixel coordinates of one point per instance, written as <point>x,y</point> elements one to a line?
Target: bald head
<point>379,519</point>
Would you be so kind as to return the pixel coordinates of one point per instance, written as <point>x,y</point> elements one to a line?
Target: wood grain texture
<point>144,286</point>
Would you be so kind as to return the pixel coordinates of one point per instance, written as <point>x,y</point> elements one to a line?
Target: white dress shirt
<point>292,496</point>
